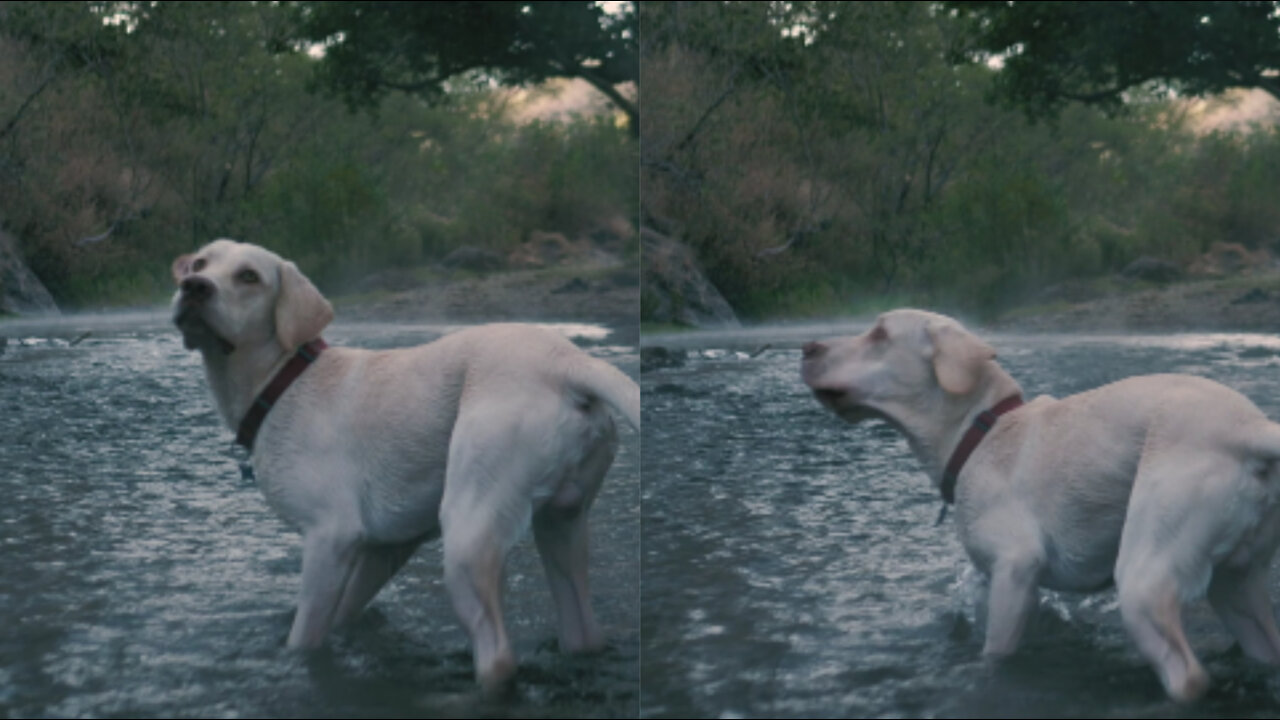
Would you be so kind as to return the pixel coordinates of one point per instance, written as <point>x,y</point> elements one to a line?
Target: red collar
<point>301,360</point>
<point>980,427</point>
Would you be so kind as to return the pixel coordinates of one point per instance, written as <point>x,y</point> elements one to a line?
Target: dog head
<point>909,362</point>
<point>234,295</point>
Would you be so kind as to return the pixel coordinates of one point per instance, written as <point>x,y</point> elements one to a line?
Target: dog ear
<point>181,267</point>
<point>959,357</point>
<point>301,311</point>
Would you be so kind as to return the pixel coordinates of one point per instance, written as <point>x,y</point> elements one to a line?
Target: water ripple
<point>141,577</point>
<point>792,568</point>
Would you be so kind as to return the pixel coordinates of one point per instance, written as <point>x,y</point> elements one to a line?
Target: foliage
<point>1054,52</point>
<point>822,155</point>
<point>180,122</point>
<point>373,47</point>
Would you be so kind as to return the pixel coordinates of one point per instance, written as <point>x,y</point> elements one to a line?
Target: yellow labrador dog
<point>473,437</point>
<point>1167,484</point>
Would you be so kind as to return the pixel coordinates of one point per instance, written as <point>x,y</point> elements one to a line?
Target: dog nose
<point>197,288</point>
<point>813,350</point>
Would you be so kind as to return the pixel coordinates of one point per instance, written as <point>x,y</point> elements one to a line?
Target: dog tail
<point>599,379</point>
<point>1263,441</point>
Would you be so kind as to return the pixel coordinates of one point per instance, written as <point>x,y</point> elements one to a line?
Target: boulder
<point>21,292</point>
<point>1152,270</point>
<point>1255,295</point>
<point>1228,258</point>
<point>544,249</point>
<point>654,357</point>
<point>474,259</point>
<point>575,285</point>
<point>674,288</point>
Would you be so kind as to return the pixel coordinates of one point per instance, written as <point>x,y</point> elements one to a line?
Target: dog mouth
<point>834,398</point>
<point>829,396</point>
<point>196,331</point>
<point>846,404</point>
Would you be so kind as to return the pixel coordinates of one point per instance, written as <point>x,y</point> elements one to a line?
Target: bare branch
<point>729,89</point>
<point>26,104</point>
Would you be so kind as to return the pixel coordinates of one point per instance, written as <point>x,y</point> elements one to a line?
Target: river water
<point>792,568</point>
<point>141,577</point>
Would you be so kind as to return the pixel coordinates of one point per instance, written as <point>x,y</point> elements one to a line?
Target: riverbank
<point>1247,303</point>
<point>611,296</point>
<point>605,295</point>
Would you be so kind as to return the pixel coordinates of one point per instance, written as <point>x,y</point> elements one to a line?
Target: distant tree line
<point>130,132</point>
<point>818,155</point>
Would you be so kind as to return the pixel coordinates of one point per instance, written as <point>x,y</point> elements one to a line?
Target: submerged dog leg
<point>560,529</point>
<point>1185,509</point>
<point>562,543</point>
<point>374,565</point>
<point>499,462</point>
<point>328,562</point>
<point>1152,612</point>
<point>1239,596</point>
<point>480,518</point>
<point>1012,599</point>
<point>473,564</point>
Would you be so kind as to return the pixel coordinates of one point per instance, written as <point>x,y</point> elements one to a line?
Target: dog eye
<point>198,265</point>
<point>248,277</point>
<point>879,334</point>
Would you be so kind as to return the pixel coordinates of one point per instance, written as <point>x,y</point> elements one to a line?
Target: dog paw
<point>499,679</point>
<point>1191,688</point>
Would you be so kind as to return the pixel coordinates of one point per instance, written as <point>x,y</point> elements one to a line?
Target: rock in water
<point>21,292</point>
<point>674,289</point>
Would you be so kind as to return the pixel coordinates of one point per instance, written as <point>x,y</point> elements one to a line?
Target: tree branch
<point>724,95</point>
<point>26,104</point>
<point>611,92</point>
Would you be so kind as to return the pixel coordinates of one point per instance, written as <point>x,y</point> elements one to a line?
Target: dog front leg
<point>1013,597</point>
<point>373,566</point>
<point>328,561</point>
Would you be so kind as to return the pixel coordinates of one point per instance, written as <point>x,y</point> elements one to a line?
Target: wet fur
<point>1165,484</point>
<point>475,437</point>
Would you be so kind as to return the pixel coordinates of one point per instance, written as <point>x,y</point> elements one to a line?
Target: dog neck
<point>998,386</point>
<point>935,427</point>
<point>236,378</point>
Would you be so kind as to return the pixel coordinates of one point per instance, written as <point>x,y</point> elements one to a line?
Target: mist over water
<point>791,566</point>
<point>140,575</point>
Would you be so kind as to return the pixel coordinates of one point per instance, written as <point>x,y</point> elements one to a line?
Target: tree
<point>800,142</point>
<point>1053,52</point>
<point>372,47</point>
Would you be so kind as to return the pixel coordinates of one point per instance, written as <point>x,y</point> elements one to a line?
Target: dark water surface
<point>791,566</point>
<point>141,577</point>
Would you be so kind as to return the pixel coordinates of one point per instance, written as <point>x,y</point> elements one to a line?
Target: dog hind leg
<point>1164,557</point>
<point>473,565</point>
<point>560,530</point>
<point>1239,596</point>
<point>1152,612</point>
<point>1238,590</point>
<point>499,455</point>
